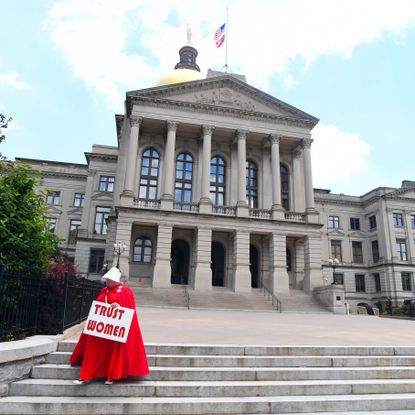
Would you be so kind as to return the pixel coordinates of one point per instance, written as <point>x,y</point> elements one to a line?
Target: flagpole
<point>226,42</point>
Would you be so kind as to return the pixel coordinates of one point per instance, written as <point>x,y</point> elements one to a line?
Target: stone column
<point>308,175</point>
<point>162,268</point>
<point>299,199</point>
<point>242,277</point>
<point>278,255</point>
<point>131,169</point>
<point>313,275</point>
<point>242,207</point>
<point>277,210</point>
<point>169,174</point>
<point>123,235</point>
<point>203,272</point>
<point>205,204</point>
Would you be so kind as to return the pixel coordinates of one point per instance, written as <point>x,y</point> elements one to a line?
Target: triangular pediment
<point>225,92</point>
<point>102,196</point>
<point>404,193</point>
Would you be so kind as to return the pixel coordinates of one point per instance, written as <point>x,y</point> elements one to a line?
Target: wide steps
<point>229,379</point>
<point>107,404</point>
<point>51,371</point>
<point>261,361</point>
<point>45,387</point>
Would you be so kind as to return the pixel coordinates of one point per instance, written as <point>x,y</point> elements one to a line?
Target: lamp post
<point>334,263</point>
<point>119,248</point>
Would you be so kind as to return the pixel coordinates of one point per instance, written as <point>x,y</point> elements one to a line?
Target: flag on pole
<point>220,36</point>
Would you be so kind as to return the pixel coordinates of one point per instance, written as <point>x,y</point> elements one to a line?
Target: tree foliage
<point>25,241</point>
<point>4,122</point>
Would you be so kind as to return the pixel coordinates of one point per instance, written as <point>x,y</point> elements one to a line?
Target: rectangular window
<point>372,222</point>
<point>376,279</point>
<point>413,221</point>
<point>355,224</point>
<point>406,281</point>
<point>360,283</point>
<point>401,249</point>
<point>336,249</point>
<point>357,252</point>
<point>101,215</point>
<point>79,199</point>
<point>338,279</point>
<point>106,183</point>
<point>53,198</point>
<point>74,226</point>
<point>51,224</point>
<point>375,251</point>
<point>398,219</point>
<point>334,222</point>
<point>96,260</point>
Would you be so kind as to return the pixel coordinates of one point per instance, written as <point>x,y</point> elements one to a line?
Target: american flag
<point>220,36</point>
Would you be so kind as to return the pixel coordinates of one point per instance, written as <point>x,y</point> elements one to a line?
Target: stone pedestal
<point>166,203</point>
<point>205,206</point>
<point>332,297</point>
<point>277,212</point>
<point>242,210</point>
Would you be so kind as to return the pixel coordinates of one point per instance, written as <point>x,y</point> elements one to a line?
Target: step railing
<point>186,296</point>
<point>270,296</point>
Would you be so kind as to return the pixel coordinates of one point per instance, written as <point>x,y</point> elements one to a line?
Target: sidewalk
<point>170,325</point>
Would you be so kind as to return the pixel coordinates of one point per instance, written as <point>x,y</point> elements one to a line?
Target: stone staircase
<point>298,301</point>
<point>222,298</point>
<point>202,379</point>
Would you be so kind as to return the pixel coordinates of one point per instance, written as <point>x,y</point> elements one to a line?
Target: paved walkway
<point>169,325</point>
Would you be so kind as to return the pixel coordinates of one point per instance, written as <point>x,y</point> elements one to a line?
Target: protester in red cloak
<point>107,358</point>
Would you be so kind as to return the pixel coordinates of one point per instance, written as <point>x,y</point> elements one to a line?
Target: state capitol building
<point>210,185</point>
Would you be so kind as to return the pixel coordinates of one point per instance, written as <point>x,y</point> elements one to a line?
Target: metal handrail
<point>274,300</point>
<point>186,296</point>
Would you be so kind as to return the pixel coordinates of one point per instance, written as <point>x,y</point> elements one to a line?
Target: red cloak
<point>107,358</point>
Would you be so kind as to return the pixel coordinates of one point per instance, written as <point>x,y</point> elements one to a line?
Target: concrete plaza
<point>202,326</point>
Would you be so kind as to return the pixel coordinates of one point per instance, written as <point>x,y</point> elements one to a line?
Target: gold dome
<point>179,75</point>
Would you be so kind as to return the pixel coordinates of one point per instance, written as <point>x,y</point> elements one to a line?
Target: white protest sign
<point>108,322</point>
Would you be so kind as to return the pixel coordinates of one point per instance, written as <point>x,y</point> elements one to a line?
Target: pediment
<point>54,210</point>
<point>225,92</point>
<point>404,193</point>
<point>74,210</point>
<point>102,196</point>
<point>336,232</point>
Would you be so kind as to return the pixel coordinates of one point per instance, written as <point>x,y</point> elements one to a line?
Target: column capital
<point>135,121</point>
<point>306,143</point>
<point>172,125</point>
<point>297,152</point>
<point>207,129</point>
<point>275,138</point>
<point>241,134</point>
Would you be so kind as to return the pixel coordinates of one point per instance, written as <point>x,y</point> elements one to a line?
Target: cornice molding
<point>213,109</point>
<point>76,176</point>
<point>101,156</point>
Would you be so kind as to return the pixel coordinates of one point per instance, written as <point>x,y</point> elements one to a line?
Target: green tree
<point>4,122</point>
<point>25,241</point>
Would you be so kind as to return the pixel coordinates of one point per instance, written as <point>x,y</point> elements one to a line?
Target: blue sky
<point>65,67</point>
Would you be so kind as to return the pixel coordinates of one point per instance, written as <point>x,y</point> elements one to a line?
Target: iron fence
<point>39,303</point>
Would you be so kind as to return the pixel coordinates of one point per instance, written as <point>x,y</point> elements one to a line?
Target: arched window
<point>285,189</point>
<point>143,249</point>
<point>149,174</point>
<point>217,181</point>
<point>184,174</point>
<point>251,184</point>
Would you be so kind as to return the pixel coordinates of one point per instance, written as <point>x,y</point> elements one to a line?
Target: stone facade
<point>211,185</point>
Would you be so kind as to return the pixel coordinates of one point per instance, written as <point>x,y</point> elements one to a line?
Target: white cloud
<point>12,79</point>
<point>337,156</point>
<point>264,39</point>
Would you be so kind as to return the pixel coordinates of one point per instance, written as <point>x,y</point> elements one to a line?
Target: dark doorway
<point>180,262</point>
<point>218,264</point>
<point>254,266</point>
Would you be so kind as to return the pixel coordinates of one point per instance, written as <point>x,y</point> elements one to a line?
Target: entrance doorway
<point>291,274</point>
<point>218,264</point>
<point>180,262</point>
<point>254,266</point>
